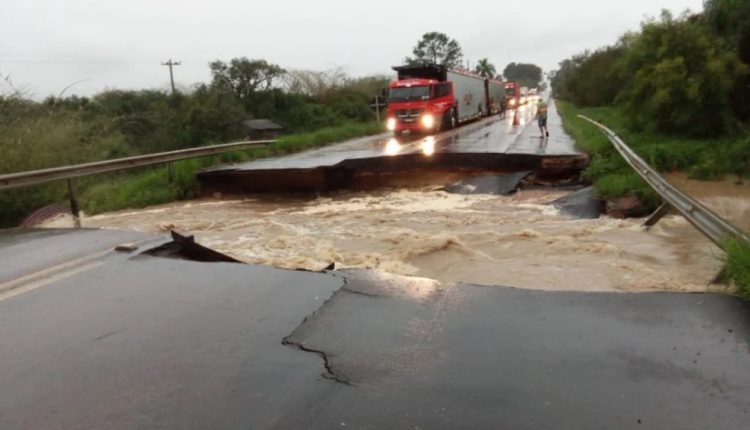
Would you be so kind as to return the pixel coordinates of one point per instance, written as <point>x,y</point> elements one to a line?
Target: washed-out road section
<point>148,342</point>
<point>492,145</point>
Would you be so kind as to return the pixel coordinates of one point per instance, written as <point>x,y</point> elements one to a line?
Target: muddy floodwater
<point>517,240</point>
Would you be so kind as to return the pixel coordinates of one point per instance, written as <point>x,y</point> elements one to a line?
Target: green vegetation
<point>676,76</point>
<point>682,78</point>
<point>436,48</point>
<point>737,266</point>
<point>701,158</point>
<point>150,186</point>
<point>527,75</point>
<point>676,91</point>
<point>485,69</point>
<point>319,107</point>
<point>670,91</point>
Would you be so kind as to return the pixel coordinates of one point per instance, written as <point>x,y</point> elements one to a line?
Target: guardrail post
<point>655,217</point>
<point>74,208</point>
<point>170,172</point>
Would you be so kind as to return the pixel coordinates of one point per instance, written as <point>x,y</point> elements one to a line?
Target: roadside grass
<point>701,159</point>
<point>151,186</point>
<point>737,266</point>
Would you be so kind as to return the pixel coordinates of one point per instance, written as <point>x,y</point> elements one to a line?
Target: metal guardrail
<point>68,173</point>
<point>36,177</point>
<point>706,221</point>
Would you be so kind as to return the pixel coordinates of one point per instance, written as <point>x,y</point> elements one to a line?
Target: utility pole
<point>377,103</point>
<point>171,63</point>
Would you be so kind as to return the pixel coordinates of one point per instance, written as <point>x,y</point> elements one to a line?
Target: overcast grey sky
<point>49,44</point>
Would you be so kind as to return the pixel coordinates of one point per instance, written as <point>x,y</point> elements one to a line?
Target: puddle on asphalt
<point>517,240</point>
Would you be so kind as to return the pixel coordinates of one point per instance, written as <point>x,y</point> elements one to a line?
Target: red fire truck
<point>429,98</point>
<point>513,97</point>
<point>495,96</point>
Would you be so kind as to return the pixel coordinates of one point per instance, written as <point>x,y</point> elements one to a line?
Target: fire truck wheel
<point>453,122</point>
<point>445,122</point>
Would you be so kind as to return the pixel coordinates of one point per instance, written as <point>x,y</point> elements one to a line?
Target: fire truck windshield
<point>510,91</point>
<point>409,93</point>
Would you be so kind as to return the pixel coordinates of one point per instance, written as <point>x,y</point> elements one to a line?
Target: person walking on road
<point>541,116</point>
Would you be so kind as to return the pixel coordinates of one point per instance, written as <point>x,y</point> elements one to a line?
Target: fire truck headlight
<point>428,121</point>
<point>391,124</point>
<point>512,102</point>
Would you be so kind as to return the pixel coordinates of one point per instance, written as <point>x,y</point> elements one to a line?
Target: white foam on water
<point>517,240</point>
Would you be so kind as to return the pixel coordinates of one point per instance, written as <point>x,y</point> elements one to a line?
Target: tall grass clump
<point>737,266</point>
<point>706,159</point>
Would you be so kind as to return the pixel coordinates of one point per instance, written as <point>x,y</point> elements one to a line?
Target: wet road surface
<point>147,342</point>
<point>23,254</point>
<point>516,133</point>
<point>508,144</point>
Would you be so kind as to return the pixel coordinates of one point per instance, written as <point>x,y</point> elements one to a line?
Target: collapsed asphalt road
<point>137,341</point>
<point>492,145</point>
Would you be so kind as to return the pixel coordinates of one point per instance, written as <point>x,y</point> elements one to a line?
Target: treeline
<point>438,48</point>
<point>115,123</point>
<point>679,75</point>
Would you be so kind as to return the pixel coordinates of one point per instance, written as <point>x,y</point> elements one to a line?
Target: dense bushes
<point>700,158</point>
<point>682,76</point>
<point>677,75</point>
<point>117,123</point>
<point>591,78</point>
<point>670,91</point>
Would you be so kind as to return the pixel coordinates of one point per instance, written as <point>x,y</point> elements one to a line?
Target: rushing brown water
<point>517,240</point>
<point>729,199</point>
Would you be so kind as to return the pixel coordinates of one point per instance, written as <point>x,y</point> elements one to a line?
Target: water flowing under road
<point>518,240</point>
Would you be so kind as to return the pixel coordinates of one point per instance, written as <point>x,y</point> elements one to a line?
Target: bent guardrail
<point>38,177</point>
<point>702,218</point>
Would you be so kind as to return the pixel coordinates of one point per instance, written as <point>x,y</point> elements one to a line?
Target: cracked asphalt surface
<point>146,342</point>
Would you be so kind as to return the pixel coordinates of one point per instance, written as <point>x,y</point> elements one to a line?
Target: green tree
<point>528,75</point>
<point>485,69</point>
<point>680,76</point>
<point>436,48</point>
<point>244,77</point>
<point>214,115</point>
<point>730,19</point>
<point>591,78</point>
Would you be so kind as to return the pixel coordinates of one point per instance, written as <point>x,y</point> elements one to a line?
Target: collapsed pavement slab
<point>148,342</point>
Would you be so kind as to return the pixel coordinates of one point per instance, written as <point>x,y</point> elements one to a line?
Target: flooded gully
<point>518,240</point>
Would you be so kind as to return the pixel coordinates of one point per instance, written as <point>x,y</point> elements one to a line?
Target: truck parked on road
<point>495,96</point>
<point>524,95</point>
<point>512,94</point>
<point>429,98</point>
